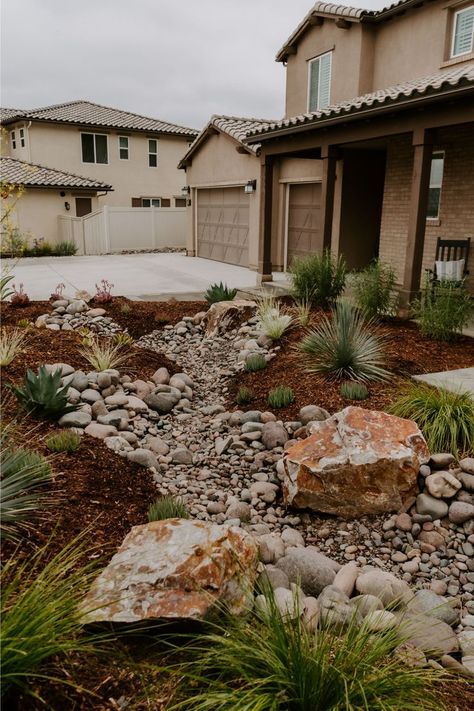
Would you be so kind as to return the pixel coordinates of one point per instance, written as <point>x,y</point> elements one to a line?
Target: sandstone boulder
<point>226,315</point>
<point>174,569</point>
<point>356,462</point>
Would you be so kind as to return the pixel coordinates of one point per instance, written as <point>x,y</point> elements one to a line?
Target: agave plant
<point>345,346</point>
<point>43,395</point>
<point>219,292</point>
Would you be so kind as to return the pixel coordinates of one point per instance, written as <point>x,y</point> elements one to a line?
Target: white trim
<point>296,181</point>
<point>221,184</point>
<point>453,34</point>
<point>94,133</point>
<point>310,62</point>
<point>437,154</point>
<point>152,153</point>
<point>286,223</point>
<point>120,148</point>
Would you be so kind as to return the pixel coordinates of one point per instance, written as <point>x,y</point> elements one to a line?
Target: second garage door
<point>304,230</point>
<point>223,225</point>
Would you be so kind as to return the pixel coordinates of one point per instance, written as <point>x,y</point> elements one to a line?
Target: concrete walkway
<point>461,380</point>
<point>138,276</point>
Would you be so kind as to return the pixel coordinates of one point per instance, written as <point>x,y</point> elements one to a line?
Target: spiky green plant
<point>272,321</point>
<point>219,292</point>
<point>103,354</point>
<point>373,289</point>
<point>43,395</point>
<point>303,311</point>
<point>443,310</point>
<point>272,663</point>
<point>318,279</point>
<point>122,339</point>
<point>352,390</point>
<point>65,441</point>
<point>167,507</point>
<point>5,290</point>
<point>65,248</point>
<point>24,323</point>
<point>244,395</point>
<point>11,343</point>
<point>446,418</point>
<point>345,346</point>
<point>281,396</point>
<point>254,362</point>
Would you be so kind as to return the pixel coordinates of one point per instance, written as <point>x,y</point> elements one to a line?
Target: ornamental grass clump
<point>219,292</point>
<point>303,311</point>
<point>104,354</point>
<point>318,279</point>
<point>167,507</point>
<point>244,395</point>
<point>373,290</point>
<point>345,346</point>
<point>254,362</point>
<point>281,396</point>
<point>65,441</point>
<point>271,321</point>
<point>11,344</point>
<point>446,418</point>
<point>43,395</point>
<point>351,390</point>
<point>443,310</point>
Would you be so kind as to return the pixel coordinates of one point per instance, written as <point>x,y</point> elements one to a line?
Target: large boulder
<point>226,315</point>
<point>356,462</point>
<point>174,569</point>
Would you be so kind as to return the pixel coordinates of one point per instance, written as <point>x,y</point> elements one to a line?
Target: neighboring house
<point>378,140</point>
<point>48,194</point>
<point>135,154</point>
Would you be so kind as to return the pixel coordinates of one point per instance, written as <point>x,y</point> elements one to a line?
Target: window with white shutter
<point>319,79</point>
<point>463,32</point>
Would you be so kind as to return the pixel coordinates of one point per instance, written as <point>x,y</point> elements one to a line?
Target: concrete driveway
<point>138,276</point>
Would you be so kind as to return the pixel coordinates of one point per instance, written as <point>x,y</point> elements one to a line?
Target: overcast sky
<point>180,61</point>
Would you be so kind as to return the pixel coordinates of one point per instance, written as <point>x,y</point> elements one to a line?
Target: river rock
<point>428,505</point>
<point>442,485</point>
<point>432,605</point>
<point>161,402</point>
<point>144,457</point>
<point>75,419</point>
<point>389,589</point>
<point>312,413</point>
<point>460,512</point>
<point>309,568</point>
<point>273,435</point>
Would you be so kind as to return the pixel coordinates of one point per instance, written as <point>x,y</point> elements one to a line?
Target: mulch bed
<point>146,316</point>
<point>408,353</point>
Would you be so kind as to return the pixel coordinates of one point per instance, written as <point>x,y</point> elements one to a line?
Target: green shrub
<point>445,418</point>
<point>352,390</point>
<point>11,343</point>
<point>167,507</point>
<point>343,346</point>
<point>125,308</point>
<point>219,292</point>
<point>65,441</point>
<point>443,310</point>
<point>318,279</point>
<point>244,395</point>
<point>255,361</point>
<point>43,395</point>
<point>65,248</point>
<point>373,290</point>
<point>270,663</point>
<point>281,396</point>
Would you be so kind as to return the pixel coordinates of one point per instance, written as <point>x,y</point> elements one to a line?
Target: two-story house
<point>375,155</point>
<point>132,159</point>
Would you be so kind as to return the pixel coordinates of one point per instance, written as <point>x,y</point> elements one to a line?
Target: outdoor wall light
<point>250,186</point>
<point>185,190</point>
<point>67,205</point>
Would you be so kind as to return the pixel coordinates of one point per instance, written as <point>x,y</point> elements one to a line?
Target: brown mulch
<point>146,316</point>
<point>408,353</point>
<point>10,315</point>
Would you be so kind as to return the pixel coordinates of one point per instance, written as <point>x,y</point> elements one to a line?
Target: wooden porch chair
<point>451,250</point>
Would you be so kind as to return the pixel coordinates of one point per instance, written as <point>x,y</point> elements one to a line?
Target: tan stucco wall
<point>58,146</point>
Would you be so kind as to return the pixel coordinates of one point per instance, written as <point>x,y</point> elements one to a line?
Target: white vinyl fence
<point>116,229</point>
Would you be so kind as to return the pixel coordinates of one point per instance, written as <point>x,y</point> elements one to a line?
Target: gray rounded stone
<point>428,505</point>
<point>75,419</point>
<point>143,457</point>
<point>309,568</point>
<point>312,413</point>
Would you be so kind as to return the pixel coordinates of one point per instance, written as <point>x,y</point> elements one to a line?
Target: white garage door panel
<point>223,225</point>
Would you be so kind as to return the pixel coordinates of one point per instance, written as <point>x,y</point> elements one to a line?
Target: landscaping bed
<point>141,317</point>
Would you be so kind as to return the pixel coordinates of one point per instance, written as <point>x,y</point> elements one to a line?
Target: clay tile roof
<point>238,127</point>
<point>86,113</point>
<point>7,113</point>
<point>38,176</point>
<point>435,84</point>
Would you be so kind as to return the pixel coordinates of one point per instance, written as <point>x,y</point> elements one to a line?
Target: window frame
<point>22,138</point>
<point>94,134</point>
<point>453,34</point>
<point>436,154</point>
<point>151,199</point>
<point>152,153</point>
<point>13,140</point>
<point>123,148</point>
<point>310,63</point>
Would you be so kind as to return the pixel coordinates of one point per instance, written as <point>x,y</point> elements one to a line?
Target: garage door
<point>304,229</point>
<point>223,225</point>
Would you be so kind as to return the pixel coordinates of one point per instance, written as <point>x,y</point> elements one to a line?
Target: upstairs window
<point>123,147</point>
<point>13,139</point>
<point>436,180</point>
<point>94,148</point>
<point>463,32</point>
<point>152,153</point>
<point>22,137</point>
<point>319,82</point>
<point>151,202</point>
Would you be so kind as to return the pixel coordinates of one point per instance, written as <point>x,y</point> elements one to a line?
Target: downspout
<point>30,160</point>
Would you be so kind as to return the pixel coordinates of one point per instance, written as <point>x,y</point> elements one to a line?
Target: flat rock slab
<point>356,462</point>
<point>461,380</point>
<point>174,569</point>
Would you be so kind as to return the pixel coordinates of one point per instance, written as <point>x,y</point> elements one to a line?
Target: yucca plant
<point>122,339</point>
<point>281,396</point>
<point>43,395</point>
<point>318,279</point>
<point>373,289</point>
<point>11,343</point>
<point>65,441</point>
<point>254,362</point>
<point>446,418</point>
<point>244,395</point>
<point>167,507</point>
<point>103,354</point>
<point>345,346</point>
<point>219,292</point>
<point>353,390</point>
<point>272,663</point>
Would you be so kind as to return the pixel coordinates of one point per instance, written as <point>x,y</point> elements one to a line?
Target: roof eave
<point>80,124</point>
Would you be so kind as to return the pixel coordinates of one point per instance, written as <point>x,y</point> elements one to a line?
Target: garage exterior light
<point>250,186</point>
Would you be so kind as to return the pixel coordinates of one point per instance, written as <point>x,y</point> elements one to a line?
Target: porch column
<point>329,156</point>
<point>265,221</point>
<point>423,148</point>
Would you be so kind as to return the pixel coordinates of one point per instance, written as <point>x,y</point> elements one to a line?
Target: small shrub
<point>254,362</point>
<point>167,507</point>
<point>352,390</point>
<point>65,248</point>
<point>122,339</point>
<point>318,279</point>
<point>219,292</point>
<point>41,248</point>
<point>373,289</point>
<point>281,396</point>
<point>24,323</point>
<point>58,292</point>
<point>20,297</point>
<point>343,346</point>
<point>65,441</point>
<point>11,343</point>
<point>125,308</point>
<point>445,418</point>
<point>272,322</point>
<point>244,395</point>
<point>443,310</point>
<point>103,293</point>
<point>102,355</point>
<point>43,395</point>
<point>303,312</point>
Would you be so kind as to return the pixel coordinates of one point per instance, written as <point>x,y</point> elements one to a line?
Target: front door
<point>83,206</point>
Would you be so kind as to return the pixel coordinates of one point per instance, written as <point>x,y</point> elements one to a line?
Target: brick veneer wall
<point>456,217</point>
